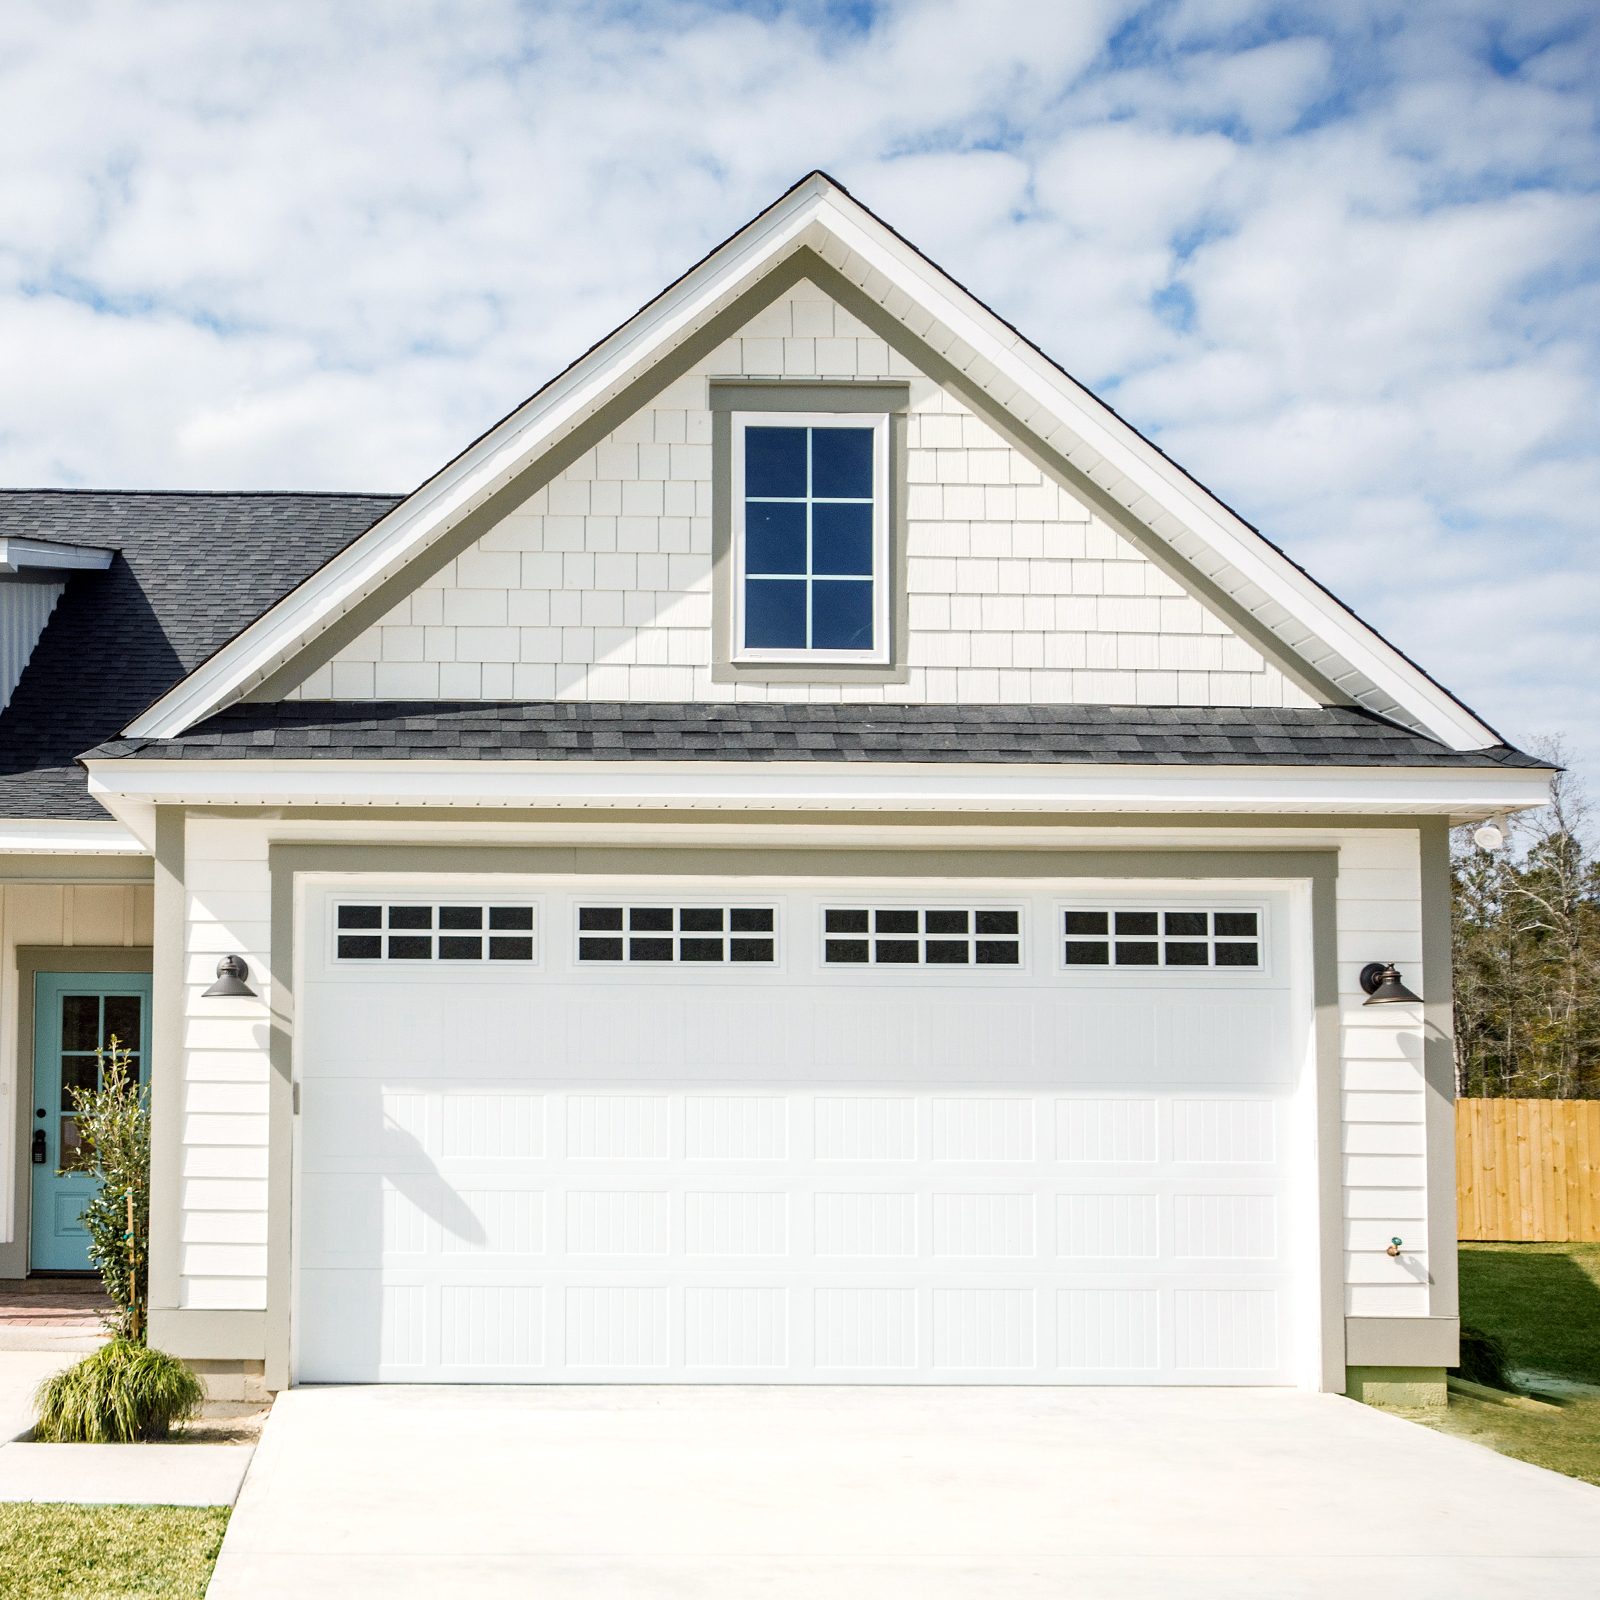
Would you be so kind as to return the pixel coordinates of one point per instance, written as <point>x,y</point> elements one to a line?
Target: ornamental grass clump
<point>125,1393</point>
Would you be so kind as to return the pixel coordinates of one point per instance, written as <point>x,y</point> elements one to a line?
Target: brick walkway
<point>65,1303</point>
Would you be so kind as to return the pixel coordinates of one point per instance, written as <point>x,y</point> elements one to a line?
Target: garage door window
<point>693,934</point>
<point>1152,938</point>
<point>385,932</point>
<point>933,936</point>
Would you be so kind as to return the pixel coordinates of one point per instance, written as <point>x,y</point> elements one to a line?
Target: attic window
<point>810,537</point>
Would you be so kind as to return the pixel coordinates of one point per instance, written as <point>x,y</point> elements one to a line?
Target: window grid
<point>628,935</point>
<point>1186,940</point>
<point>408,931</point>
<point>927,936</point>
<point>810,500</point>
<point>836,608</point>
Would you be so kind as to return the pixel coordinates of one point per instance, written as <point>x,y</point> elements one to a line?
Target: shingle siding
<point>599,586</point>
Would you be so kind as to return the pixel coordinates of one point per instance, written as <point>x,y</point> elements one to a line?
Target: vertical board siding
<point>1528,1171</point>
<point>119,916</point>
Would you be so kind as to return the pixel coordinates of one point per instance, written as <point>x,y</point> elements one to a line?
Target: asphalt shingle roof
<point>191,570</point>
<point>759,731</point>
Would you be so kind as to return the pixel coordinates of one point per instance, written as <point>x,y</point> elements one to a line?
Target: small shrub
<point>122,1394</point>
<point>1483,1360</point>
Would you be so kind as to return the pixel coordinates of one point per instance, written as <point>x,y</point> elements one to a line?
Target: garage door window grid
<point>634,934</point>
<point>931,936</point>
<point>1182,938</point>
<point>384,931</point>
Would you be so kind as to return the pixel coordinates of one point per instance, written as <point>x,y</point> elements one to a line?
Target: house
<point>809,852</point>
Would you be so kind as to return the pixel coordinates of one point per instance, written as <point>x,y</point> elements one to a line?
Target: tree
<point>1527,954</point>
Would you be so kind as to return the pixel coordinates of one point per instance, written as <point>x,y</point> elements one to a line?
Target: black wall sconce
<point>1381,980</point>
<point>231,974</point>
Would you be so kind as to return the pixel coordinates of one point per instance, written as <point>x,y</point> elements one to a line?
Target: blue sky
<point>1341,258</point>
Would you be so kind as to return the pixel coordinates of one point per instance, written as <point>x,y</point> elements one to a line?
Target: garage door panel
<point>964,1038</point>
<point>403,1022</point>
<point>736,1127</point>
<point>555,1175</point>
<point>636,1035</point>
<point>978,1128</point>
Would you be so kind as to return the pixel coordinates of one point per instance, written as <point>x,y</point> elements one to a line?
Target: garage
<point>785,1130</point>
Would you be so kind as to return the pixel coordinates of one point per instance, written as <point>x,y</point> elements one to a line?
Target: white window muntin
<point>1179,903</point>
<point>675,906</point>
<point>882,578</point>
<point>925,934</point>
<point>509,939</point>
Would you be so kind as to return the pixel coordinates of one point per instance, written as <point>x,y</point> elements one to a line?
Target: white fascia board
<point>1135,458</point>
<point>49,555</point>
<point>494,460</point>
<point>43,838</point>
<point>812,786</point>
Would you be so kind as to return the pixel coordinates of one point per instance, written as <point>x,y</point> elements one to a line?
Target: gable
<point>817,230</point>
<point>598,586</point>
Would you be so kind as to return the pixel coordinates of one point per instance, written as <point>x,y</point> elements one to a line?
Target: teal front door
<point>75,1014</point>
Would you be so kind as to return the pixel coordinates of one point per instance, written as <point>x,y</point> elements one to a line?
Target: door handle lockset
<point>40,1155</point>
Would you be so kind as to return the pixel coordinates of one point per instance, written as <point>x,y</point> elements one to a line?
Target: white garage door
<point>653,1132</point>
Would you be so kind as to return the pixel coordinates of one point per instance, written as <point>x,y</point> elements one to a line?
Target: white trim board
<point>107,837</point>
<point>905,786</point>
<point>818,214</point>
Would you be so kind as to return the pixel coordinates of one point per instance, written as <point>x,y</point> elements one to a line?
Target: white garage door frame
<point>1288,898</point>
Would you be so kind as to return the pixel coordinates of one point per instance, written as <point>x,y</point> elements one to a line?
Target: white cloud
<point>1338,256</point>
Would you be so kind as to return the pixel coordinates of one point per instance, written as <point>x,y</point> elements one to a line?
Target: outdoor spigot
<point>1394,1248</point>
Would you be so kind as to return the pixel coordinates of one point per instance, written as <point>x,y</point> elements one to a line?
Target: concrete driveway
<point>890,1494</point>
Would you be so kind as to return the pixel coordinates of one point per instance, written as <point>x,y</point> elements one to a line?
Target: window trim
<point>921,905</point>
<point>877,422</point>
<point>1264,970</point>
<point>730,396</point>
<point>625,963</point>
<point>488,901</point>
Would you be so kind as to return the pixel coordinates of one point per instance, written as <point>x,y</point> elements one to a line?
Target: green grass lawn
<point>1543,1300</point>
<point>55,1552</point>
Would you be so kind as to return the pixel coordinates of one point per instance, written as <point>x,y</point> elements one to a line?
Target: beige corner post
<point>1401,1361</point>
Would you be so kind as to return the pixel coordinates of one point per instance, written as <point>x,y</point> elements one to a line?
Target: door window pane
<point>78,1072</point>
<point>123,1019</point>
<point>80,1021</point>
<point>74,1155</point>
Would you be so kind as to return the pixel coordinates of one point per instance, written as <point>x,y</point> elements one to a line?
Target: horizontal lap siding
<point>228,896</point>
<point>600,586</point>
<point>1384,1131</point>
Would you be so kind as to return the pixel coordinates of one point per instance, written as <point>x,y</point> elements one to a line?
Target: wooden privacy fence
<point>1528,1169</point>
